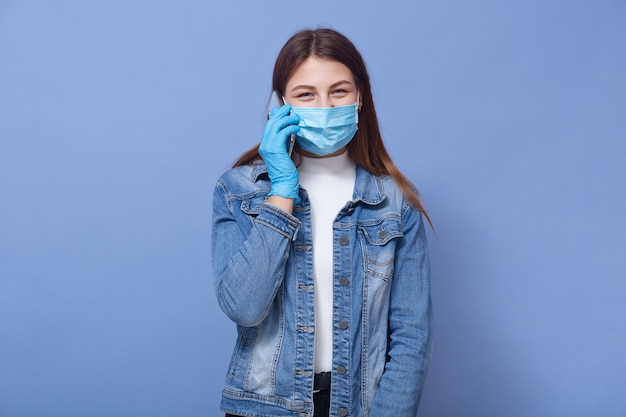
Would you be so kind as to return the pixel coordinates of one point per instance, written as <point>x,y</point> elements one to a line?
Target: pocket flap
<point>382,231</point>
<point>252,205</point>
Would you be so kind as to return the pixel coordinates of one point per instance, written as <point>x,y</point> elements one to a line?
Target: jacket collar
<point>367,187</point>
<point>258,169</point>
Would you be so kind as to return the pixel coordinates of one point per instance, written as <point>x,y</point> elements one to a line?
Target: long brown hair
<point>366,148</point>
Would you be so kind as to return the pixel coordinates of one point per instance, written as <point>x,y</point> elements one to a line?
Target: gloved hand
<point>274,151</point>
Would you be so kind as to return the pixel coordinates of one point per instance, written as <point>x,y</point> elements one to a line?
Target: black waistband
<point>322,381</point>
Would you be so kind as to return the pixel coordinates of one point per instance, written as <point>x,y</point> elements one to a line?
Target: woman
<point>320,257</point>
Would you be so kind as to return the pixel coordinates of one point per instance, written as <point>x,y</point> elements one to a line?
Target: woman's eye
<point>340,91</point>
<point>305,95</point>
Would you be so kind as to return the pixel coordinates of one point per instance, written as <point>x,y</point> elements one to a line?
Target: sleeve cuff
<point>279,220</point>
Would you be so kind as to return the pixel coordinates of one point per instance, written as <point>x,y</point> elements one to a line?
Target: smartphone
<point>275,102</point>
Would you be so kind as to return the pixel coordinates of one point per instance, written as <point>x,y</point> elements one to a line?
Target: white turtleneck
<point>329,183</point>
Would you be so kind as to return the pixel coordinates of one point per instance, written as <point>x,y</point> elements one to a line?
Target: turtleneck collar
<point>331,165</point>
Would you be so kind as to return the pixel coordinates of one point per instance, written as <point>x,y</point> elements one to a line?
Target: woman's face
<point>319,82</point>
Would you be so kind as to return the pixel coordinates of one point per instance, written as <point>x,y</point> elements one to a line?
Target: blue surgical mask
<point>325,130</point>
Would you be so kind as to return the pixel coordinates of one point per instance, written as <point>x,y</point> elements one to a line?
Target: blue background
<point>117,117</point>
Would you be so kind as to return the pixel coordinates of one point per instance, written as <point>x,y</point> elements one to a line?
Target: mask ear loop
<point>292,138</point>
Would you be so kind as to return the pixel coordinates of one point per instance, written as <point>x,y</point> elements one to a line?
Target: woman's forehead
<point>316,71</point>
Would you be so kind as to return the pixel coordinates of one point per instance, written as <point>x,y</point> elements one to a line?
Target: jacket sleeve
<point>410,325</point>
<point>249,255</point>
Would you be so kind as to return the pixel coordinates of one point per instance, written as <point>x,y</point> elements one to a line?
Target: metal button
<point>343,325</point>
<point>343,241</point>
<point>382,234</point>
<point>341,370</point>
<point>344,281</point>
<point>342,412</point>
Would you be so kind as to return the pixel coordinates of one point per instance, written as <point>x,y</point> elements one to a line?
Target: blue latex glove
<point>274,151</point>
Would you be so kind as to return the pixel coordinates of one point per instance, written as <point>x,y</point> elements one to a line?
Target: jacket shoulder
<point>245,180</point>
<point>395,198</point>
<point>392,192</point>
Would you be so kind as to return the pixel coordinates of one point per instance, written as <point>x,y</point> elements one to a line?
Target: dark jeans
<point>321,396</point>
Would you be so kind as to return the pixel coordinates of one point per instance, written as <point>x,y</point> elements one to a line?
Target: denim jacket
<point>382,317</point>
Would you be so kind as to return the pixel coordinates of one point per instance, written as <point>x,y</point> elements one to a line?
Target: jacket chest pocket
<point>252,206</point>
<point>378,243</point>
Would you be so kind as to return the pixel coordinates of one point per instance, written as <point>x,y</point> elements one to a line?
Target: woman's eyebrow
<point>311,87</point>
<point>302,86</point>
<point>338,83</point>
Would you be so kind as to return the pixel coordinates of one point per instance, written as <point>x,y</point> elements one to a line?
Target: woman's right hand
<point>274,151</point>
